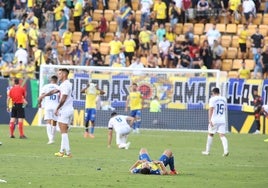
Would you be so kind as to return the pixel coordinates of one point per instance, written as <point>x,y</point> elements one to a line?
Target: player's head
<point>54,79</point>
<point>145,168</point>
<point>255,91</point>
<point>16,81</point>
<point>134,86</point>
<point>215,91</point>
<point>63,74</point>
<point>113,114</point>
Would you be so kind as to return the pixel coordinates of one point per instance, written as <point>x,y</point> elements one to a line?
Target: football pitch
<point>31,162</point>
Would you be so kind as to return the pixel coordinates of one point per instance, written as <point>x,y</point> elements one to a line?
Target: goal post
<point>182,93</point>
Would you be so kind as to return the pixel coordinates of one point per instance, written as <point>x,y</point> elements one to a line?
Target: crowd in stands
<point>134,33</point>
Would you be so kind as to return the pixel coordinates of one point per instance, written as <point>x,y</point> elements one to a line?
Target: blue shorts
<point>164,159</point>
<point>135,113</point>
<point>145,156</point>
<point>90,114</point>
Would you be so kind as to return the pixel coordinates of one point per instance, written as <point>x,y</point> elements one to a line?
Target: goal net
<point>182,93</point>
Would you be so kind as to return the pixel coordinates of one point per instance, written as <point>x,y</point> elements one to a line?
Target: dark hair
<point>16,81</point>
<point>216,90</point>
<point>54,78</point>
<point>113,114</point>
<point>64,70</point>
<point>134,84</point>
<point>145,171</point>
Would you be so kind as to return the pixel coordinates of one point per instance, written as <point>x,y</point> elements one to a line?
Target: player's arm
<point>130,120</point>
<point>137,163</point>
<point>62,101</point>
<point>101,91</point>
<point>49,93</point>
<point>110,136</point>
<point>210,112</point>
<point>127,102</point>
<point>84,89</point>
<point>163,169</point>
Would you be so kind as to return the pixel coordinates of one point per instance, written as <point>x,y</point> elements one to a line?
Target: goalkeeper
<point>146,166</point>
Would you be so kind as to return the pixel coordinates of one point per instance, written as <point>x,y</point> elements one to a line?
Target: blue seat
<point>2,34</point>
<point>15,21</point>
<point>2,12</point>
<point>4,24</point>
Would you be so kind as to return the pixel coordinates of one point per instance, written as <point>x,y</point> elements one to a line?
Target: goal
<point>182,93</point>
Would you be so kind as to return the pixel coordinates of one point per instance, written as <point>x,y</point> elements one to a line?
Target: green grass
<point>31,162</point>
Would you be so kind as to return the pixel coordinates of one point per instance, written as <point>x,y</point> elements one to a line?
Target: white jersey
<point>146,5</point>
<point>119,124</point>
<point>219,103</point>
<point>52,101</point>
<point>66,88</point>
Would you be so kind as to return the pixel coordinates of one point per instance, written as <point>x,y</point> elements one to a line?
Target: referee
<point>16,95</point>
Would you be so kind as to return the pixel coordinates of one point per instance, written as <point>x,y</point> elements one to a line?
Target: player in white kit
<point>64,111</point>
<point>122,126</point>
<point>217,121</point>
<point>50,104</point>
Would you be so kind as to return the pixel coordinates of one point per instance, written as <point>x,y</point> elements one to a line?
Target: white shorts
<point>217,128</point>
<point>50,114</point>
<point>65,116</point>
<point>122,134</point>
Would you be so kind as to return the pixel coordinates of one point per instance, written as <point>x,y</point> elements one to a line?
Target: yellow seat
<point>231,53</point>
<point>113,4</point>
<point>235,41</point>
<point>226,40</point>
<point>76,37</point>
<point>263,29</point>
<point>109,15</point>
<point>250,64</point>
<point>231,28</point>
<point>237,64</point>
<point>208,26</point>
<point>258,19</point>
<point>97,15</point>
<point>96,37</point>
<point>108,37</point>
<point>104,48</point>
<point>199,29</point>
<point>112,26</point>
<point>186,27</point>
<point>227,65</point>
<point>178,28</point>
<point>221,27</point>
<point>232,74</point>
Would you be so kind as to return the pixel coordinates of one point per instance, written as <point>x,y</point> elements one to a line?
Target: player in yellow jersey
<point>135,102</point>
<point>92,92</point>
<point>147,166</point>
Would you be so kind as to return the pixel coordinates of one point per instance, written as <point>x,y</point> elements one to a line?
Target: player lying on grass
<point>147,166</point>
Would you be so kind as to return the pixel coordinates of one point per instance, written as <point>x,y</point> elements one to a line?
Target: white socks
<point>224,144</point>
<point>49,132</point>
<point>209,143</point>
<point>65,143</point>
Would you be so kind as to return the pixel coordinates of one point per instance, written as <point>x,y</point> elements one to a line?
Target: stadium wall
<point>239,92</point>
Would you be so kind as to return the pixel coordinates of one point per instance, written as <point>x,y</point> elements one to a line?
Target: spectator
<point>174,14</point>
<point>160,11</point>
<point>53,44</point>
<point>164,46</point>
<point>257,41</point>
<point>67,41</point>
<point>189,35</point>
<point>264,62</point>
<point>152,61</point>
<point>87,24</point>
<point>243,72</point>
<point>258,64</point>
<point>243,37</point>
<point>146,6</point>
<point>233,7</point>
<point>249,10</point>
<point>122,18</point>
<point>171,35</point>
<point>57,15</point>
<point>18,10</point>
<point>122,57</point>
<point>38,13</point>
<point>129,45</point>
<point>30,70</point>
<point>77,13</point>
<point>186,5</point>
<point>114,48</point>
<point>63,23</point>
<point>160,32</point>
<point>21,55</point>
<point>202,11</point>
<point>176,51</point>
<point>8,6</point>
<point>213,34</point>
<point>217,51</point>
<point>144,40</point>
<point>96,58</point>
<point>185,60</point>
<point>85,48</point>
<point>22,38</point>
<point>103,27</point>
<point>206,54</point>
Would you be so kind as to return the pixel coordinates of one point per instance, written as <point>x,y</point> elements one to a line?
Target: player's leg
<point>224,141</point>
<point>48,119</point>
<point>64,120</point>
<point>144,155</point>
<point>257,121</point>
<point>12,122</point>
<point>21,116</point>
<point>53,130</point>
<point>92,122</point>
<point>87,118</point>
<point>138,120</point>
<point>133,114</point>
<point>211,131</point>
<point>168,159</point>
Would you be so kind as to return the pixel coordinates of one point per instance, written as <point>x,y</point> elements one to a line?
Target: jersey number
<point>118,119</point>
<point>220,108</point>
<point>52,97</point>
